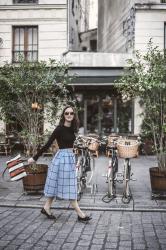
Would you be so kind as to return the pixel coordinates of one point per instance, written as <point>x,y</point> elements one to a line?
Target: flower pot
<point>158,181</point>
<point>35,179</point>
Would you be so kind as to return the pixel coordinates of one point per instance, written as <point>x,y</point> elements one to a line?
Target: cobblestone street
<point>26,228</point>
<point>82,125</point>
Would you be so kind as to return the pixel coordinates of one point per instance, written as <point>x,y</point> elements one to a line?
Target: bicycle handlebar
<point>84,138</point>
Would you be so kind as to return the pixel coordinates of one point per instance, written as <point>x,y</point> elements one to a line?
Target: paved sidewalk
<point>12,194</point>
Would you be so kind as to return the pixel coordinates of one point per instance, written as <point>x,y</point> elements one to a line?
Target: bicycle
<point>127,149</point>
<point>85,163</point>
<point>111,176</point>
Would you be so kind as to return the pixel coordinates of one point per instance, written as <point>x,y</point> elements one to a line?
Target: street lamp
<point>36,106</point>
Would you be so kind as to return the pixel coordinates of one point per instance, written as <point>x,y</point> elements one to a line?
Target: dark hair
<point>75,121</point>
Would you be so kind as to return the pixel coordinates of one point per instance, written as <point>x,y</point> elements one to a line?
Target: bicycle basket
<point>127,148</point>
<point>93,146</point>
<point>112,139</point>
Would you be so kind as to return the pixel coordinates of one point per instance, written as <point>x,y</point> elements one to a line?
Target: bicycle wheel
<point>115,164</point>
<point>110,195</point>
<point>127,193</point>
<point>111,183</point>
<point>92,169</point>
<point>80,179</point>
<point>79,192</point>
<point>94,189</point>
<point>107,198</point>
<point>87,162</point>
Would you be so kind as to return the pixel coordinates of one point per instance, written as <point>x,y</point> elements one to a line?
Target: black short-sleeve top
<point>65,137</point>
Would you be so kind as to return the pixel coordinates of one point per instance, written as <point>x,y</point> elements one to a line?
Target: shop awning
<point>96,76</point>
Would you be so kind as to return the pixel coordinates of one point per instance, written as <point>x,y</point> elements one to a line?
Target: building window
<point>25,43</point>
<point>84,48</point>
<point>93,45</point>
<point>164,35</point>
<point>24,1</point>
<point>163,1</point>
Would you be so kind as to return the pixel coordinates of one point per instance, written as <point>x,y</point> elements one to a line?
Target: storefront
<point>101,109</point>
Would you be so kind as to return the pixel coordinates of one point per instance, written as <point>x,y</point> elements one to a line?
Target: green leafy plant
<point>30,93</point>
<point>145,77</point>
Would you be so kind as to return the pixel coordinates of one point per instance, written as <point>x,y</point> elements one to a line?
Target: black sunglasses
<point>69,113</point>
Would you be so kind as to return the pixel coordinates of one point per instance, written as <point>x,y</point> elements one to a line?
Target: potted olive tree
<point>145,77</point>
<point>30,93</point>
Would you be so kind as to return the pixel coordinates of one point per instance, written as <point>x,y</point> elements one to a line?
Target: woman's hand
<point>31,160</point>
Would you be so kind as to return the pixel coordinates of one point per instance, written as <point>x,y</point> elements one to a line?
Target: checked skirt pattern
<point>61,179</point>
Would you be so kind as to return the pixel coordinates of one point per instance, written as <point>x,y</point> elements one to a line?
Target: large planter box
<point>35,179</point>
<point>158,182</point>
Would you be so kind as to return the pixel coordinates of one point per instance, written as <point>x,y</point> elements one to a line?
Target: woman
<point>61,179</point>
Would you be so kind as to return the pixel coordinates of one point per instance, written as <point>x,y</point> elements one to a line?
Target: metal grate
<point>24,1</point>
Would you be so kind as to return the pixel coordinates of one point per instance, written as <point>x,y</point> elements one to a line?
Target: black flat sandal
<point>49,216</point>
<point>84,219</point>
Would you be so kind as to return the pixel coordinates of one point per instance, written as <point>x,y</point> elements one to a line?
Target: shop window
<point>124,116</point>
<point>93,45</point>
<point>104,114</point>
<point>93,114</point>
<point>25,43</point>
<point>107,115</point>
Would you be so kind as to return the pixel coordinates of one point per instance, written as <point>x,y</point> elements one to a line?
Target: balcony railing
<point>99,59</point>
<point>163,1</point>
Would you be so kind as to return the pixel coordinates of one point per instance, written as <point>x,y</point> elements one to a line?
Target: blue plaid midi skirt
<point>61,178</point>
